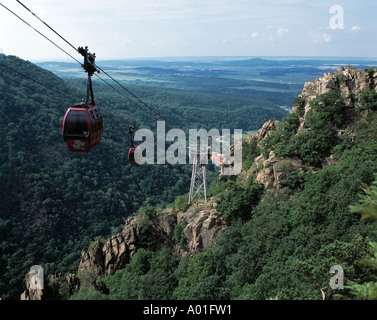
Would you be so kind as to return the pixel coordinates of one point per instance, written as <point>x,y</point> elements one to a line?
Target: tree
<point>150,275</point>
<point>237,201</point>
<point>367,207</point>
<point>204,278</point>
<point>329,107</point>
<point>281,140</point>
<point>368,100</point>
<point>181,203</point>
<point>347,255</point>
<point>311,146</point>
<point>327,113</point>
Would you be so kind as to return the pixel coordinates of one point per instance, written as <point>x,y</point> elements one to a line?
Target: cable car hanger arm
<point>89,61</point>
<point>89,67</point>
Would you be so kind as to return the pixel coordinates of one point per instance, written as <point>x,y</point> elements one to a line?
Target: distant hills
<point>222,61</point>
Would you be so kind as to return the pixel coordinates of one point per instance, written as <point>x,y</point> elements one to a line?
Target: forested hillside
<point>53,202</point>
<point>188,110</point>
<point>304,202</point>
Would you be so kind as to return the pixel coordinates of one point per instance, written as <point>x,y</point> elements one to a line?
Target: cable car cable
<point>74,48</point>
<point>55,43</point>
<point>133,95</point>
<point>40,33</point>
<point>24,85</point>
<point>56,91</point>
<point>36,81</point>
<point>133,102</point>
<point>142,102</point>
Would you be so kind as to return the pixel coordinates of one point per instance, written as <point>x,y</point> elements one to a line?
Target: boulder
<point>275,169</point>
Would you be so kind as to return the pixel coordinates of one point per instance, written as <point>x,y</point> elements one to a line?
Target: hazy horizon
<point>217,58</point>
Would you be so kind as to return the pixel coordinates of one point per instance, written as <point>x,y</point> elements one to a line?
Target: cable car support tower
<point>198,186</point>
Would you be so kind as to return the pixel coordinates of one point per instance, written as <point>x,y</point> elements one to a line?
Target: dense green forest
<point>187,110</point>
<point>281,243</point>
<point>53,202</point>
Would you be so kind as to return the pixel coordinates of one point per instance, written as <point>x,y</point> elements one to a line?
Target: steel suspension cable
<point>117,82</point>
<point>133,102</point>
<point>28,24</point>
<point>24,85</point>
<point>36,81</point>
<point>74,48</point>
<point>142,102</point>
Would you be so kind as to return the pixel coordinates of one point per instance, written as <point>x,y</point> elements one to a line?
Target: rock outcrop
<point>274,169</point>
<point>31,292</point>
<point>351,83</point>
<point>202,225</point>
<point>116,252</point>
<point>104,258</point>
<point>268,127</point>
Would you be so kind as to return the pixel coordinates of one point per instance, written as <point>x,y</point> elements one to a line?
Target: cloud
<point>326,37</point>
<point>272,32</point>
<point>318,37</point>
<point>254,35</point>
<point>355,28</point>
<point>282,31</point>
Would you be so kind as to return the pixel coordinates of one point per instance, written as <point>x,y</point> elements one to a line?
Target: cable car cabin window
<point>76,122</point>
<point>100,123</point>
<point>93,121</point>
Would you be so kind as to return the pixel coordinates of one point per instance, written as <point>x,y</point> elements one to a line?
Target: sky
<point>124,29</point>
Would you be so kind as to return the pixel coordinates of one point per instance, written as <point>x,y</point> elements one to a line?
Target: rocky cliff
<point>351,82</point>
<point>200,224</point>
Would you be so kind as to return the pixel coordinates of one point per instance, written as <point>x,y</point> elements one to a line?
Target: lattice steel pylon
<point>198,186</point>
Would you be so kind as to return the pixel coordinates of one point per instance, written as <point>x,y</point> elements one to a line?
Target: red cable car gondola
<point>82,128</point>
<point>131,152</point>
<point>131,155</point>
<point>82,124</point>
